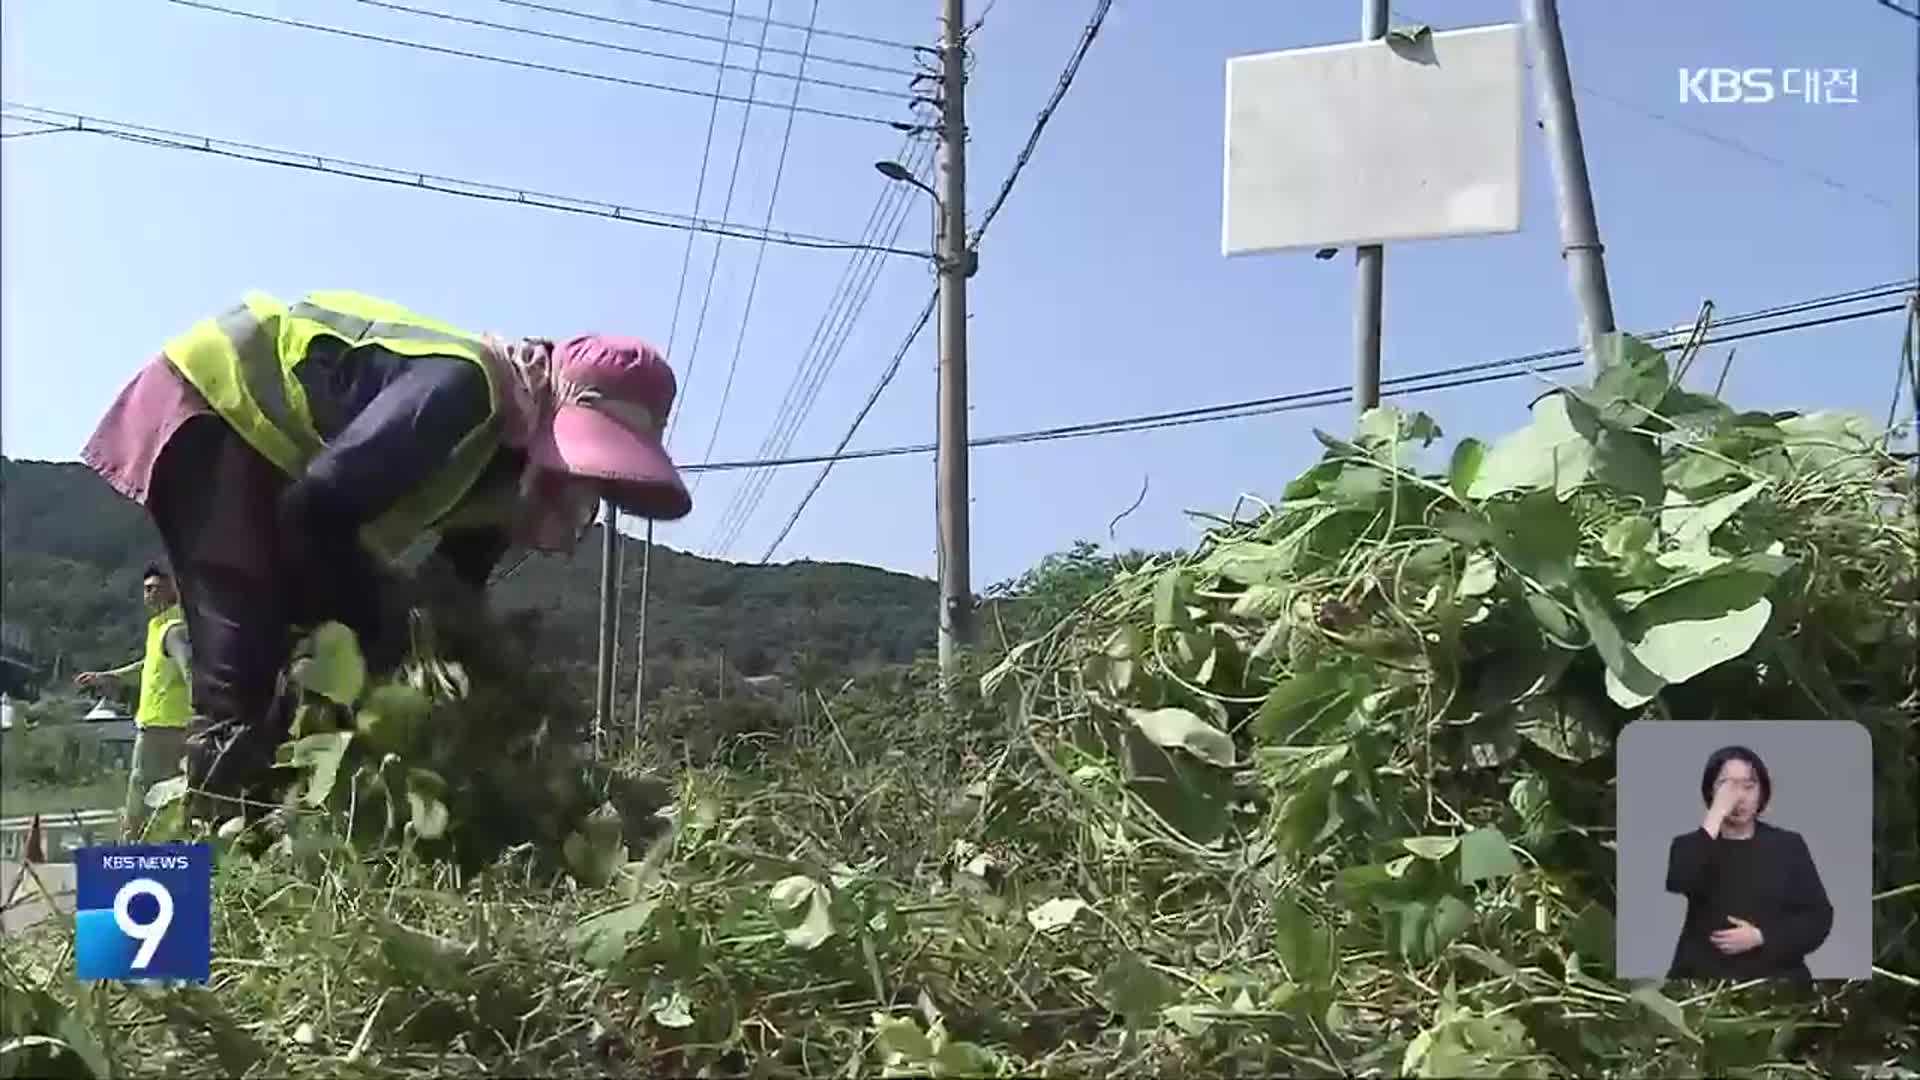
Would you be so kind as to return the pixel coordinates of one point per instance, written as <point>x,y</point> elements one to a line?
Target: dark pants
<point>214,500</point>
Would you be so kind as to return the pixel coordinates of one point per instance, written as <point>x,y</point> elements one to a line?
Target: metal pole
<point>1579,231</point>
<point>609,625</point>
<point>1369,263</point>
<point>640,640</point>
<point>956,592</point>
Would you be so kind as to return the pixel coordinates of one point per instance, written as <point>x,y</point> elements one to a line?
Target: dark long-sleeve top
<point>389,422</point>
<point>1769,880</point>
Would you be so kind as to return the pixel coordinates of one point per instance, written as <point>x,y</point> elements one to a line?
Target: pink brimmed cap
<point>614,394</point>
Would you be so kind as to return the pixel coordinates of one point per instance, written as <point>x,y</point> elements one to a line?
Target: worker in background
<point>165,673</point>
<point>288,454</point>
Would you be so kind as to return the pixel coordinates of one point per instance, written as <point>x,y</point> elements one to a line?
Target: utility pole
<point>956,264</point>
<point>640,640</point>
<point>1579,231</point>
<point>1369,262</point>
<point>609,625</point>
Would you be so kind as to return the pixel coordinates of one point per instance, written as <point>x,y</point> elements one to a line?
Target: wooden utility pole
<point>609,625</point>
<point>1579,231</point>
<point>951,498</point>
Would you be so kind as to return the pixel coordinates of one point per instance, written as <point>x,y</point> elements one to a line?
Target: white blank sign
<point>1366,142</point>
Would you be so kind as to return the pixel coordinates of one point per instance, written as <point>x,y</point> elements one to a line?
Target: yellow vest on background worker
<point>164,698</point>
<point>243,362</point>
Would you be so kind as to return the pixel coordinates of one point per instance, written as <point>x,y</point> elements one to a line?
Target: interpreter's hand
<point>1739,936</point>
<point>1724,799</point>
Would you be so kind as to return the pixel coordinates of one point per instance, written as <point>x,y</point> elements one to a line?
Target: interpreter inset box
<point>1745,850</point>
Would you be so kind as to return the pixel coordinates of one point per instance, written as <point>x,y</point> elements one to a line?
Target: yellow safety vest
<point>164,698</point>
<point>243,361</point>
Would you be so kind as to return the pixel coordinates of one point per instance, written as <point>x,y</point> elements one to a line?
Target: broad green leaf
<point>1633,380</point>
<point>900,1040</point>
<point>1304,945</point>
<point>390,716</point>
<point>1537,534</point>
<point>1628,536</point>
<point>336,670</point>
<point>1433,848</point>
<point>1055,914</point>
<point>1548,453</point>
<point>1568,727</point>
<point>1135,991</point>
<point>1629,682</point>
<point>321,754</point>
<point>1485,854</point>
<point>803,909</point>
<point>1287,767</point>
<point>1296,702</point>
<point>1169,601</point>
<point>1261,602</point>
<point>1664,1007</point>
<point>990,682</point>
<point>1692,526</point>
<point>1179,728</point>
<point>1469,455</point>
<point>602,939</point>
<point>1482,573</point>
<point>170,790</point>
<point>1451,918</point>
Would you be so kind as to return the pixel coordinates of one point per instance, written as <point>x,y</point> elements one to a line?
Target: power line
<point>634,49</point>
<point>508,61</point>
<point>469,189</point>
<point>699,189</point>
<point>1891,6</point>
<point>631,24</point>
<point>823,350</point>
<point>726,208</point>
<point>841,34</point>
<point>873,397</point>
<point>1064,84</point>
<point>1473,375</point>
<point>1286,402</point>
<point>759,259</point>
<point>1046,113</point>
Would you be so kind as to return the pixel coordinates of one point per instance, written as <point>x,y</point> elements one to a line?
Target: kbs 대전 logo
<point>143,911</point>
<point>1759,86</point>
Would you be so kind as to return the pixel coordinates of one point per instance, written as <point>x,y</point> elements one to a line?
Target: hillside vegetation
<point>1328,795</point>
<point>74,550</point>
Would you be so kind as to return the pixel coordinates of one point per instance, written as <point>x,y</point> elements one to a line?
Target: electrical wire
<point>471,189</point>
<point>841,34</point>
<point>699,190</point>
<point>823,349</point>
<point>759,260</point>
<point>1418,383</point>
<point>1059,94</point>
<point>873,397</point>
<point>631,24</point>
<point>1891,6</point>
<point>508,61</point>
<point>726,208</point>
<point>898,95</point>
<point>1061,87</point>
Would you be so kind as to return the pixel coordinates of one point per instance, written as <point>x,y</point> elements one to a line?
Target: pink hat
<point>613,395</point>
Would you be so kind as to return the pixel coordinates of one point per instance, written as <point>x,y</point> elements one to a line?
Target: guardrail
<point>74,828</point>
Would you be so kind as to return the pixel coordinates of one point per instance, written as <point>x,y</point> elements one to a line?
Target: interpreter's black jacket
<point>1768,880</point>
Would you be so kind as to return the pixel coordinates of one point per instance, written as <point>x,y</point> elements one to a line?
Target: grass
<point>102,793</point>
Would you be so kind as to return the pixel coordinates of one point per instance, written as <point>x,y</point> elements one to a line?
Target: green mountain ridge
<point>72,551</point>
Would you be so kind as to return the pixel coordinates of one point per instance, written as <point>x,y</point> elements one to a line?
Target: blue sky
<point>1102,290</point>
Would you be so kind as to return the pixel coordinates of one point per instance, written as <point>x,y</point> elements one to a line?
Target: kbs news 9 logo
<point>143,911</point>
